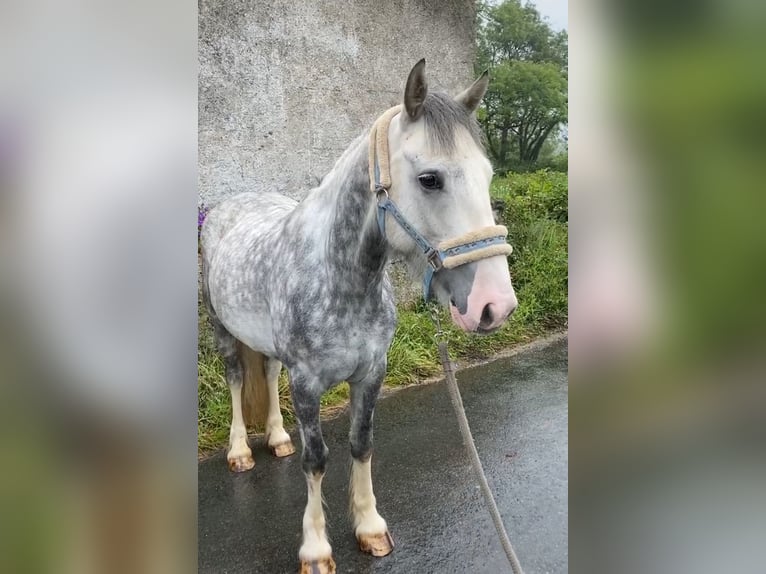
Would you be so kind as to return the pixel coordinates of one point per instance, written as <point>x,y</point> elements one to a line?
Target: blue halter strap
<point>436,257</point>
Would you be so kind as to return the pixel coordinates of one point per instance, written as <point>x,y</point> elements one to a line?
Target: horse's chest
<point>352,352</point>
<point>338,342</point>
<point>363,340</point>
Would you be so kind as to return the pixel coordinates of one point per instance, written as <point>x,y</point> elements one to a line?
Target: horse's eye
<point>430,181</point>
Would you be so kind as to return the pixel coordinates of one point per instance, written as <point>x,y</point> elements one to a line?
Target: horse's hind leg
<point>278,440</point>
<point>369,526</point>
<point>239,455</point>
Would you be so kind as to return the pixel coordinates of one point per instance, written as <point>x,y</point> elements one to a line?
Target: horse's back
<point>262,211</point>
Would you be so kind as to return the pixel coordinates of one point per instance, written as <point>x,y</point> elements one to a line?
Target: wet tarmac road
<point>517,407</point>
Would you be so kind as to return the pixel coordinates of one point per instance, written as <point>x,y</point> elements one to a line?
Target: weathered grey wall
<point>285,86</point>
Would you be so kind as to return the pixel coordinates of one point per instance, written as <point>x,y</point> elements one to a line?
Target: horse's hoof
<point>376,544</point>
<point>323,566</point>
<point>241,463</point>
<point>284,449</point>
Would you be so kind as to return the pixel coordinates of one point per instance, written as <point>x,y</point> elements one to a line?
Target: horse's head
<point>440,180</point>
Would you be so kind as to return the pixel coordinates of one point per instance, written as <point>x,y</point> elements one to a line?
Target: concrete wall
<point>285,86</point>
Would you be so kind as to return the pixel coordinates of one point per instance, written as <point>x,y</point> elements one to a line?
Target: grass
<point>534,208</point>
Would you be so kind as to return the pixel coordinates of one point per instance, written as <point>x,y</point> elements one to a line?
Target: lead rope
<point>465,431</point>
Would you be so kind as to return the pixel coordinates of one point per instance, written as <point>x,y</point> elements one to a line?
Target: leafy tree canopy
<point>527,97</point>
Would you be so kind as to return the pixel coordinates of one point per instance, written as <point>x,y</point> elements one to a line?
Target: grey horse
<point>304,285</point>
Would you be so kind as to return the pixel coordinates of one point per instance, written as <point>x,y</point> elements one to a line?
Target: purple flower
<point>201,214</point>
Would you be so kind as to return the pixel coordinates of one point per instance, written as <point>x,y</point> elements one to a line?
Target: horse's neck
<point>356,250</point>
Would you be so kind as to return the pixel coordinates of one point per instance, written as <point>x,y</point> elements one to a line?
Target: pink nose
<point>497,311</point>
<point>491,299</point>
<point>487,312</point>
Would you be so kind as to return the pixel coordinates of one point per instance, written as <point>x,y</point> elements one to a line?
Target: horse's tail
<point>255,394</point>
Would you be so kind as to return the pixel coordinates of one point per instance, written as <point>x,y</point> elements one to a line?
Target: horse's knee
<point>306,403</point>
<point>363,397</point>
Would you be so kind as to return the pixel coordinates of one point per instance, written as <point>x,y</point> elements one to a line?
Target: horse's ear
<point>416,90</point>
<point>473,95</point>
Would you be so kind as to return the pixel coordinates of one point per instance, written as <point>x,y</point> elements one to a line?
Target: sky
<point>554,10</point>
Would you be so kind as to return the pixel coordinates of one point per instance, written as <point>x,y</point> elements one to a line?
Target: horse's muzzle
<point>490,301</point>
<point>492,317</point>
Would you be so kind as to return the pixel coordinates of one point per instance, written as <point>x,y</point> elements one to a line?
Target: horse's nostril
<point>452,302</point>
<point>486,316</point>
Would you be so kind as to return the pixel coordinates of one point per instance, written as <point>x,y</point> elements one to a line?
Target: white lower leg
<point>315,544</point>
<point>275,430</point>
<point>367,521</point>
<point>238,448</point>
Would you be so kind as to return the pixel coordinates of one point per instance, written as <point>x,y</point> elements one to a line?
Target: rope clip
<point>440,335</point>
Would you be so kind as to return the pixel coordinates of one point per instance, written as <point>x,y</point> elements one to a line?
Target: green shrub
<point>535,212</point>
<point>532,196</point>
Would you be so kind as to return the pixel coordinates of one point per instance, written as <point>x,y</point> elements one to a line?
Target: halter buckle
<point>381,193</point>
<point>434,259</point>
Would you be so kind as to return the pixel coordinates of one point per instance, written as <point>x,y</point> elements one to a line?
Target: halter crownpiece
<point>380,177</point>
<point>472,246</point>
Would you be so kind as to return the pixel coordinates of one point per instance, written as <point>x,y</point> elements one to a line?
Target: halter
<point>472,246</point>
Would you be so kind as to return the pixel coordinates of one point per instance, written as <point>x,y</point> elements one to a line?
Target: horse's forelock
<point>443,116</point>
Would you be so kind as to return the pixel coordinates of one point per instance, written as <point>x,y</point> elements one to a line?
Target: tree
<point>527,96</point>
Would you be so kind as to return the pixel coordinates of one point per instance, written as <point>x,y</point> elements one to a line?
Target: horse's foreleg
<point>315,552</point>
<point>278,439</point>
<point>369,526</point>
